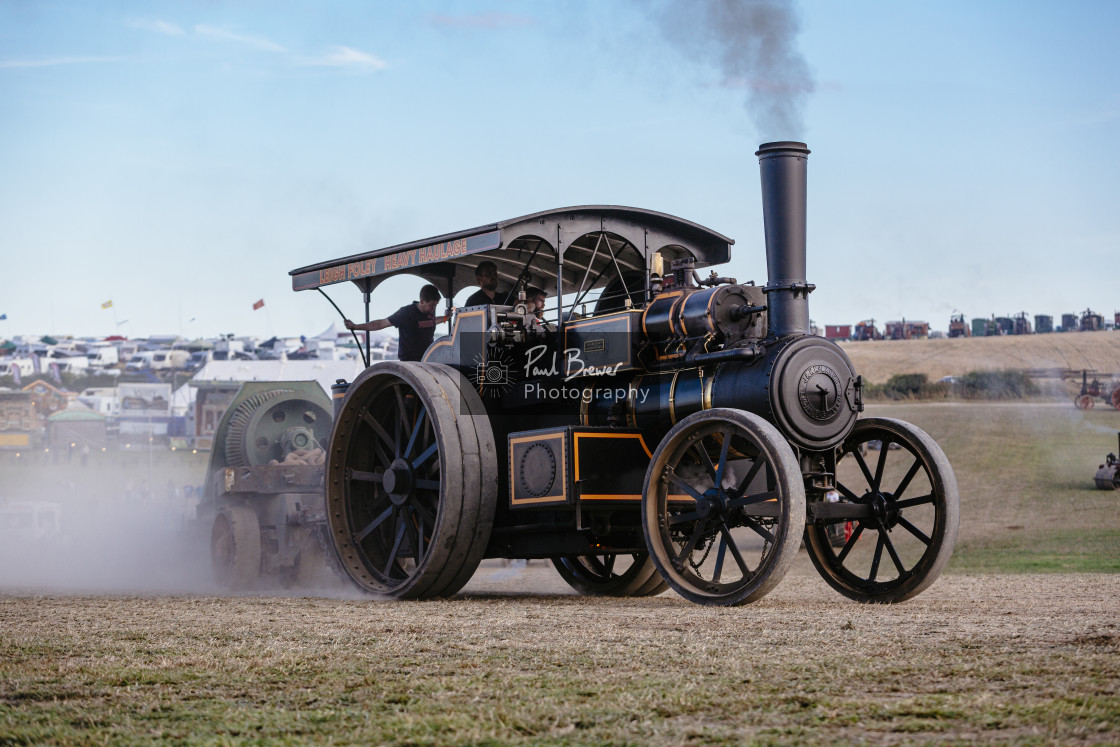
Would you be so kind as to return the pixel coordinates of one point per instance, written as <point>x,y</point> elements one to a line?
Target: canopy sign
<point>396,261</point>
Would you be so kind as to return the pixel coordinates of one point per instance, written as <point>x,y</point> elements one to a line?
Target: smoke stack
<point>783,211</point>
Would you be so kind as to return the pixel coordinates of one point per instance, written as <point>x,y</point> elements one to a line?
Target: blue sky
<point>180,158</point>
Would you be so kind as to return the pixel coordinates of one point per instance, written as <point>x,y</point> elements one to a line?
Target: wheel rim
<point>724,507</point>
<point>903,508</point>
<point>393,475</point>
<point>221,550</point>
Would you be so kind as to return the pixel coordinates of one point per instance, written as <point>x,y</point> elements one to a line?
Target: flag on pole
<point>258,304</point>
<point>107,304</point>
<point>16,374</point>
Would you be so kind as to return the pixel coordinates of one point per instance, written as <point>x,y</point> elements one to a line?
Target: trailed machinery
<point>262,504</point>
<point>655,428</point>
<point>1108,474</point>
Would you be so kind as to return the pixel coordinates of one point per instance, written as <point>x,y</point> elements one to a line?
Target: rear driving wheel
<point>902,501</point>
<point>612,575</point>
<point>411,480</point>
<point>724,507</point>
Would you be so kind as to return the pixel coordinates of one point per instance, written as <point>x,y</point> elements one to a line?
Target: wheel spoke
<point>890,549</point>
<point>398,438</point>
<point>422,510</point>
<point>863,468</point>
<point>689,546</point>
<point>705,459</point>
<point>396,545</point>
<point>735,551</point>
<point>357,474</point>
<point>608,566</point>
<point>914,531</point>
<point>379,430</point>
<point>374,524</point>
<point>720,555</point>
<point>759,529</point>
<point>402,408</point>
<point>672,477</point>
<point>688,516</point>
<point>846,492</point>
<point>723,457</point>
<point>878,556</point>
<point>915,501</point>
<point>751,474</point>
<point>427,484</point>
<point>416,431</point>
<point>883,450</point>
<point>425,455</point>
<point>906,480</point>
<point>850,543</point>
<point>750,500</point>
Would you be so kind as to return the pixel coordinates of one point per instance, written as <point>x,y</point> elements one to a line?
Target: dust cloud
<point>111,526</point>
<point>754,45</point>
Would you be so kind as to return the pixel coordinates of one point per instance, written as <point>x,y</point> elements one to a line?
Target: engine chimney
<point>783,211</point>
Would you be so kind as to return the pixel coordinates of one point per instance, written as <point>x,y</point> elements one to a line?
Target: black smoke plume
<point>754,44</point>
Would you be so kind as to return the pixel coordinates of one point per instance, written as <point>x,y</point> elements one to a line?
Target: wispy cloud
<point>337,57</point>
<point>160,27</point>
<point>348,58</point>
<point>480,20</point>
<point>255,42</point>
<point>49,61</point>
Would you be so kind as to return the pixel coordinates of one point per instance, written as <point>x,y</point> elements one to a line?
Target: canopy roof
<point>595,243</point>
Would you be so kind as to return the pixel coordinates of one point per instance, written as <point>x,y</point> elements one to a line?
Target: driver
<point>487,276</point>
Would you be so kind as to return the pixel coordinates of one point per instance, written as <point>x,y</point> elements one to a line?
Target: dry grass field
<point>1006,659</point>
<point>1019,642</point>
<point>878,360</point>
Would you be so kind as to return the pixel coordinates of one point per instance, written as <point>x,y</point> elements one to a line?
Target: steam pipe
<point>783,167</point>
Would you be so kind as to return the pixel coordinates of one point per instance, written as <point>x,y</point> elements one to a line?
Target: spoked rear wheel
<point>411,480</point>
<point>903,503</point>
<point>613,575</point>
<point>724,507</point>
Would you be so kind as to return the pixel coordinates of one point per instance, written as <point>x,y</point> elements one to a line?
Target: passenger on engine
<point>415,323</point>
<point>535,300</point>
<point>487,276</point>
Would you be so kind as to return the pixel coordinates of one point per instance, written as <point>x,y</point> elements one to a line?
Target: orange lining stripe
<point>578,436</point>
<point>563,496</point>
<point>454,333</point>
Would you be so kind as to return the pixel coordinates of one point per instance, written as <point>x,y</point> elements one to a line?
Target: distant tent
<point>77,425</point>
<point>48,340</point>
<point>332,332</point>
<point>7,345</point>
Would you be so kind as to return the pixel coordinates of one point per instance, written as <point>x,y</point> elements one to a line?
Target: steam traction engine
<point>683,431</point>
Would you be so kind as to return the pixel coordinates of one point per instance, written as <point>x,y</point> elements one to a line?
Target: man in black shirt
<point>487,276</point>
<point>415,323</point>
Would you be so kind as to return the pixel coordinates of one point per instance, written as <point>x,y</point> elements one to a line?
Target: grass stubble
<point>1016,643</point>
